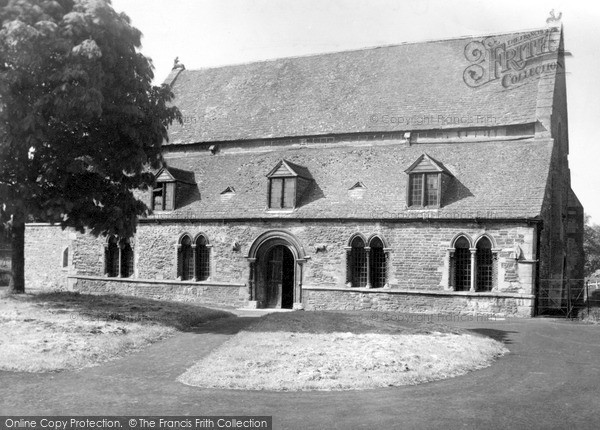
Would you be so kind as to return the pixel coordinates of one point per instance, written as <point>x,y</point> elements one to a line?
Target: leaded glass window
<point>462,265</point>
<point>378,263</point>
<point>202,259</point>
<point>485,265</point>
<point>358,259</point>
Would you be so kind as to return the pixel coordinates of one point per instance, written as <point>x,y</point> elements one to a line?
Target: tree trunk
<point>17,236</point>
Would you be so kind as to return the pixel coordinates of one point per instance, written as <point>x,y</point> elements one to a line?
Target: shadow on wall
<point>313,194</point>
<point>456,192</point>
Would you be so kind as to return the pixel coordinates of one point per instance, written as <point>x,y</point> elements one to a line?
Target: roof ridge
<point>365,48</point>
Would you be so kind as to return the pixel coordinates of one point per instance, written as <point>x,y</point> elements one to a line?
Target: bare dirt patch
<point>62,331</point>
<point>340,351</point>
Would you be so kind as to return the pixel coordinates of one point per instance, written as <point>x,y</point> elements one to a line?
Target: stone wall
<point>452,303</point>
<point>45,246</point>
<point>204,293</point>
<point>418,258</point>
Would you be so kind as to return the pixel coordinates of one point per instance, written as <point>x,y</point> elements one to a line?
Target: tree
<point>591,246</point>
<point>80,121</point>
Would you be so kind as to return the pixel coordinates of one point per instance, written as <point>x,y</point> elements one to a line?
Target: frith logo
<point>511,61</point>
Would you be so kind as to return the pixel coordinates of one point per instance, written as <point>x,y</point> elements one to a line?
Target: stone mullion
<point>179,261</point>
<point>368,252</point>
<point>473,268</point>
<point>251,280</point>
<point>348,266</point>
<point>120,259</point>
<point>450,284</point>
<point>297,304</point>
<point>194,257</point>
<point>388,266</point>
<point>209,257</point>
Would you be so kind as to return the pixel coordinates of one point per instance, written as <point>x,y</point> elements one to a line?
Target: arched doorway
<point>275,278</point>
<point>279,278</point>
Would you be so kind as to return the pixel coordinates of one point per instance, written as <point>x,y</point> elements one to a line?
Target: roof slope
<point>491,179</point>
<point>394,88</point>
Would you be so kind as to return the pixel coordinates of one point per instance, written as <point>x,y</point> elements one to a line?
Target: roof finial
<point>553,19</point>
<point>177,64</point>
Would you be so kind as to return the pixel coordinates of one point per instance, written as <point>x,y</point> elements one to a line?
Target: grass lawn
<point>61,331</point>
<point>340,351</point>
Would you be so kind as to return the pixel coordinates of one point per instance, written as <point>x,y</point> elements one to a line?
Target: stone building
<point>421,177</point>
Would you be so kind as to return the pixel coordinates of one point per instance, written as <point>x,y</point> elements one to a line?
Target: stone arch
<point>458,236</point>
<point>199,235</point>
<point>277,235</point>
<point>377,236</point>
<point>360,235</point>
<point>183,236</point>
<point>484,236</point>
<point>266,290</point>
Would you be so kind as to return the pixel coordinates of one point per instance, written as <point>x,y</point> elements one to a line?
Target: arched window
<point>111,259</point>
<point>126,259</point>
<point>462,264</point>
<point>485,265</point>
<point>185,259</point>
<point>358,263</point>
<point>202,259</point>
<point>65,257</point>
<point>378,263</point>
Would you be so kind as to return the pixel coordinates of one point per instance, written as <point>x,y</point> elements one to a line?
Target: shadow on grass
<point>357,322</point>
<point>113,307</point>
<point>499,335</point>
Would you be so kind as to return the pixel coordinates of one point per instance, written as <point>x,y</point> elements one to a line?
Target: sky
<point>209,33</point>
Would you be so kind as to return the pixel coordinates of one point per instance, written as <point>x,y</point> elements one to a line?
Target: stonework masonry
<point>45,247</point>
<point>418,263</point>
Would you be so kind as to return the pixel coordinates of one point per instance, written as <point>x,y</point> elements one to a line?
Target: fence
<point>561,297</point>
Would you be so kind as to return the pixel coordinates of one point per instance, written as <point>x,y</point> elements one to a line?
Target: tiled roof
<point>177,174</point>
<point>411,86</point>
<point>501,179</point>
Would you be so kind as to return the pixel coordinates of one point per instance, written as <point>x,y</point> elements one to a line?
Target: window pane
<point>378,263</point>
<point>169,192</point>
<point>202,259</point>
<point>290,193</point>
<point>187,270</point>
<point>462,265</point>
<point>157,198</point>
<point>276,186</point>
<point>126,261</point>
<point>432,189</point>
<point>358,263</point>
<point>462,269</point>
<point>112,256</point>
<point>65,262</point>
<point>416,189</point>
<point>485,265</point>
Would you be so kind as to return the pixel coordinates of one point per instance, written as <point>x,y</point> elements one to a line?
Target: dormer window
<point>282,193</point>
<point>287,184</point>
<point>424,189</point>
<point>426,182</point>
<point>171,184</point>
<point>163,196</point>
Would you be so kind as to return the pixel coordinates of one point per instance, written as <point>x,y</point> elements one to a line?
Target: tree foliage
<point>80,120</point>
<point>591,247</point>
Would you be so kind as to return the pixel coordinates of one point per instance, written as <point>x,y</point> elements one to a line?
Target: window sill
<point>422,292</point>
<point>157,281</point>
<point>423,208</point>
<point>280,211</point>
